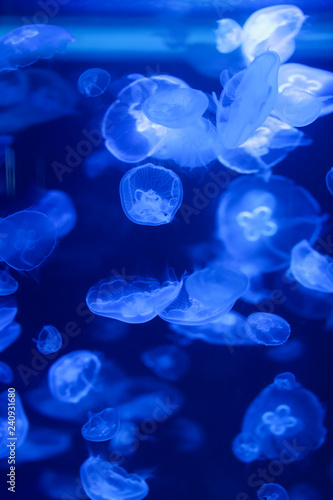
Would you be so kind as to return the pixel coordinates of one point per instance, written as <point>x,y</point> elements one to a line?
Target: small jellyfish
<point>297,108</point>
<point>101,426</point>
<point>102,480</point>
<point>25,45</point>
<point>6,373</point>
<point>8,284</point>
<point>228,35</point>
<point>246,447</point>
<point>73,376</point>
<point>26,239</point>
<point>59,208</point>
<point>9,334</point>
<point>151,195</point>
<point>267,329</point>
<point>14,424</point>
<point>49,340</point>
<point>93,82</point>
<point>272,491</point>
<point>167,361</point>
<point>272,28</point>
<point>329,180</point>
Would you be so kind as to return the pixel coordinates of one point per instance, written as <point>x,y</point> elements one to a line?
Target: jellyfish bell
<point>93,82</point>
<point>101,426</point>
<point>59,208</point>
<point>297,108</point>
<point>272,491</point>
<point>267,329</point>
<point>228,35</point>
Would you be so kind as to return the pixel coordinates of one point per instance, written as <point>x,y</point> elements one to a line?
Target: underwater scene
<point>166,249</point>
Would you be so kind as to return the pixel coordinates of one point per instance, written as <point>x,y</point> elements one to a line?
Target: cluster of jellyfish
<point>162,128</point>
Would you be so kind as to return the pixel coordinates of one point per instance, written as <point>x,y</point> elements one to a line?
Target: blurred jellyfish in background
<point>9,334</point>
<point>27,238</point>
<point>294,349</point>
<point>8,284</point>
<point>9,426</point>
<point>329,180</point>
<point>8,311</point>
<point>6,373</point>
<point>167,361</point>
<point>25,45</point>
<point>272,28</point>
<point>228,35</point>
<point>272,491</point>
<point>101,426</point>
<point>126,442</point>
<point>304,491</point>
<point>93,82</point>
<point>107,330</point>
<point>44,443</point>
<point>14,87</point>
<point>282,414</point>
<point>151,195</point>
<point>188,434</point>
<point>267,329</point>
<point>59,208</point>
<point>101,162</point>
<point>49,340</point>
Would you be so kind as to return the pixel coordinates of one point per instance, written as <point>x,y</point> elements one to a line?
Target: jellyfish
<point>8,284</point>
<point>59,208</point>
<point>304,491</point>
<point>294,349</point>
<point>205,296</point>
<point>284,422</point>
<point>329,180</point>
<point>247,99</point>
<point>102,480</point>
<point>8,311</point>
<point>101,426</point>
<point>6,373</point>
<point>151,195</point>
<point>188,434</point>
<point>259,222</point>
<point>49,340</point>
<point>27,238</point>
<point>9,334</point>
<point>297,108</point>
<point>14,424</point>
<point>93,82</point>
<point>73,375</point>
<point>25,45</point>
<point>272,28</point>
<point>125,442</point>
<point>133,301</point>
<point>228,35</point>
<point>14,87</point>
<point>167,361</point>
<point>267,329</point>
<point>272,491</point>
<point>43,443</point>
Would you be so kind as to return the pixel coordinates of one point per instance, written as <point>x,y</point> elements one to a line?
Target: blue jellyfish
<point>101,426</point>
<point>93,82</point>
<point>6,373</point>
<point>73,376</point>
<point>285,353</point>
<point>267,329</point>
<point>150,195</point>
<point>102,479</point>
<point>329,180</point>
<point>259,222</point>
<point>247,99</point>
<point>43,443</point>
<point>14,86</point>
<point>132,301</point>
<point>228,35</point>
<point>8,311</point>
<point>125,442</point>
<point>9,334</point>
<point>25,45</point>
<point>304,491</point>
<point>49,340</point>
<point>8,284</point>
<point>272,491</point>
<point>14,424</point>
<point>59,208</point>
<point>272,28</point>
<point>284,422</point>
<point>167,361</point>
<point>297,108</point>
<point>26,239</point>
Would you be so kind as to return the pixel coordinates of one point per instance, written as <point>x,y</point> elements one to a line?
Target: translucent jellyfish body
<point>259,222</point>
<point>103,480</point>
<point>49,340</point>
<point>272,28</point>
<point>167,361</point>
<point>285,421</point>
<point>247,100</point>
<point>59,208</point>
<point>14,424</point>
<point>267,329</point>
<point>329,180</point>
<point>272,491</point>
<point>6,373</point>
<point>228,35</point>
<point>102,426</point>
<point>8,284</point>
<point>134,301</point>
<point>297,108</point>
<point>93,82</point>
<point>72,376</point>
<point>311,269</point>
<point>27,238</point>
<point>9,334</point>
<point>25,45</point>
<point>8,311</point>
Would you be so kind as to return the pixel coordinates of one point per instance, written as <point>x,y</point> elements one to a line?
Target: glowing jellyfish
<point>167,361</point>
<point>49,340</point>
<point>272,491</point>
<point>297,108</point>
<point>102,480</point>
<point>312,269</point>
<point>25,45</point>
<point>228,35</point>
<point>14,86</point>
<point>9,334</point>
<point>132,301</point>
<point>259,222</point>
<point>59,208</point>
<point>151,195</point>
<point>329,180</point>
<point>125,442</point>
<point>8,284</point>
<point>282,416</point>
<point>205,296</point>
<point>73,376</point>
<point>267,329</point>
<point>272,28</point>
<point>6,373</point>
<point>102,426</point>
<point>175,108</point>
<point>93,82</point>
<point>27,238</point>
<point>8,311</point>
<point>247,100</point>
<point>14,424</point>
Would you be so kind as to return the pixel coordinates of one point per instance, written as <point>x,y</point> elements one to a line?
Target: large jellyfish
<point>297,108</point>
<point>228,35</point>
<point>272,491</point>
<point>167,361</point>
<point>14,424</point>
<point>25,45</point>
<point>59,208</point>
<point>101,426</point>
<point>8,284</point>
<point>9,334</point>
<point>49,340</point>
<point>103,480</point>
<point>267,329</point>
<point>26,239</point>
<point>272,28</point>
<point>259,222</point>
<point>93,82</point>
<point>133,301</point>
<point>284,422</point>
